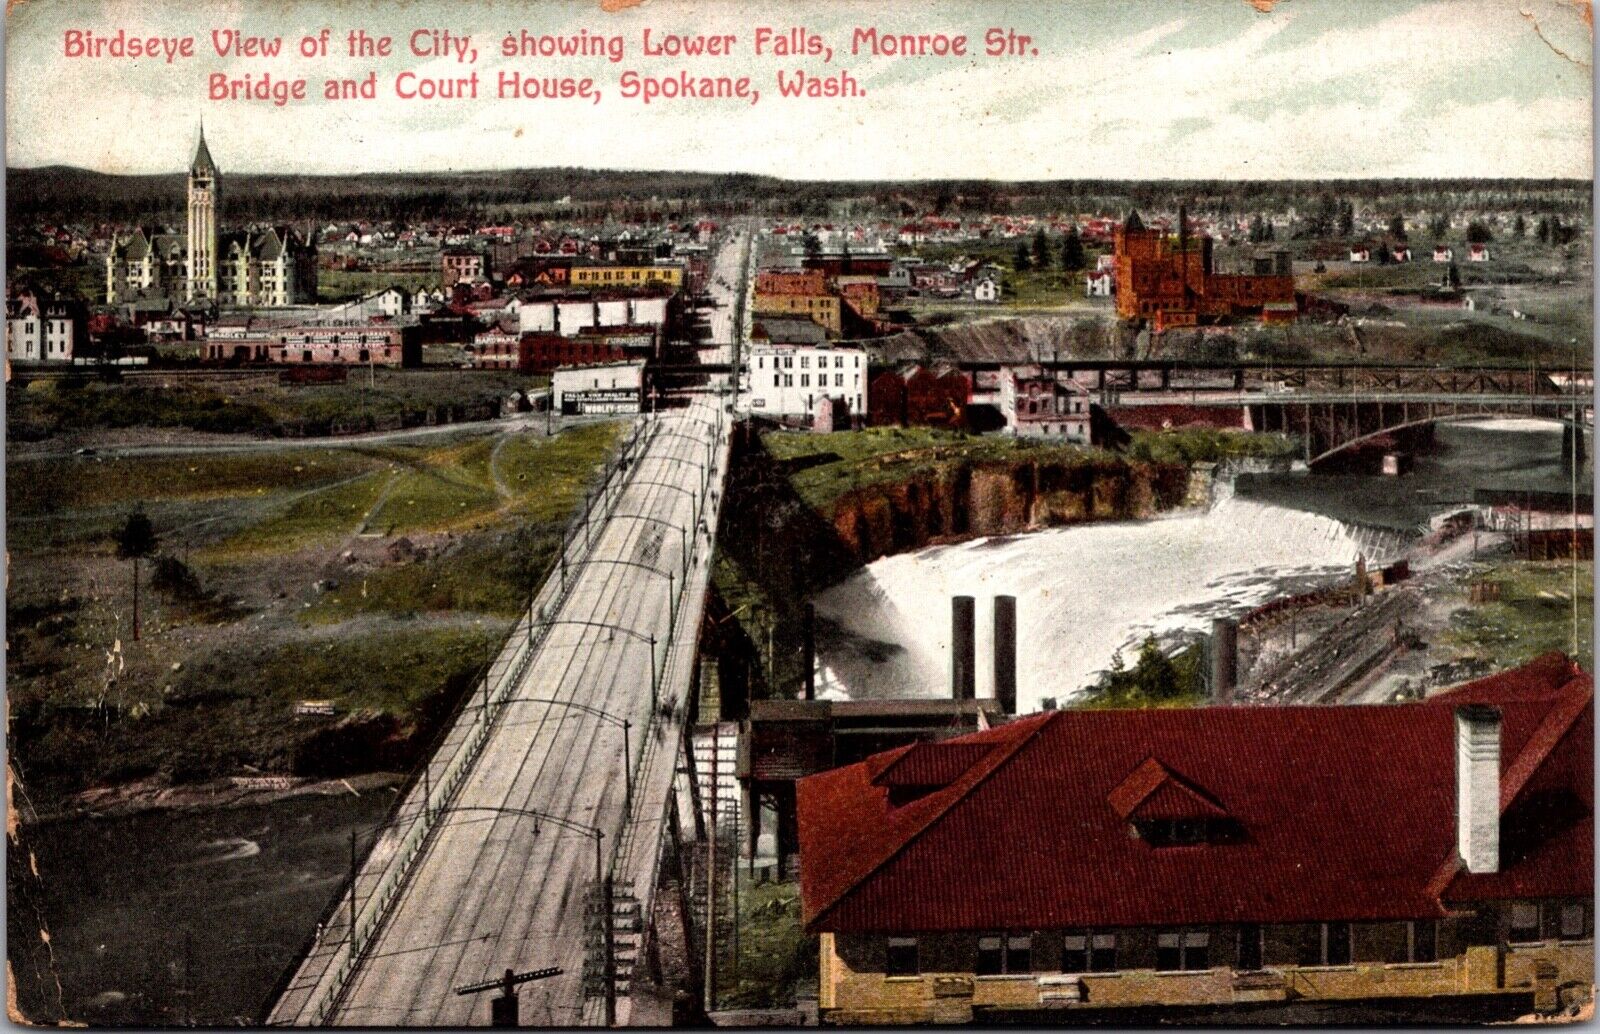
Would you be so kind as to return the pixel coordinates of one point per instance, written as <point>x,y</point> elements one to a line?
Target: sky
<point>1149,90</point>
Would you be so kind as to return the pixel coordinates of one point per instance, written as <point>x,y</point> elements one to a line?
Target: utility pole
<point>503,1010</point>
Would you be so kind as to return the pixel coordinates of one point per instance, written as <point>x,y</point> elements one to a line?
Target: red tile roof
<point>1346,813</point>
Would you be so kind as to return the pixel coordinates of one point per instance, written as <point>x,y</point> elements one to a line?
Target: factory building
<point>1172,281</point>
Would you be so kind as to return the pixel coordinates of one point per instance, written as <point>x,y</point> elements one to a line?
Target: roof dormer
<point>926,768</point>
<point>1166,810</point>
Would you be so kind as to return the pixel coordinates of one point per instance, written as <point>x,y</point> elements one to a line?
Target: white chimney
<point>1478,787</point>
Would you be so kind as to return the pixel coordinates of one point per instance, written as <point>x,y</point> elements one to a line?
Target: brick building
<point>919,396</point>
<point>1074,866</point>
<point>379,343</point>
<point>1173,282</point>
<point>463,265</point>
<point>800,293</point>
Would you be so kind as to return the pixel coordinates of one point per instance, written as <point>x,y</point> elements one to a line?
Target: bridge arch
<point>1556,419</point>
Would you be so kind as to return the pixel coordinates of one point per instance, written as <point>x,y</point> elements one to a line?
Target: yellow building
<point>627,276</point>
<point>1435,857</point>
<point>819,308</point>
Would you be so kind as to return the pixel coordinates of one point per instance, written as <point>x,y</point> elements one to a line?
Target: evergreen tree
<point>1543,233</point>
<point>1041,249</point>
<point>1519,228</point>
<point>1021,262</point>
<point>1347,219</point>
<point>1397,227</point>
<point>1072,256</point>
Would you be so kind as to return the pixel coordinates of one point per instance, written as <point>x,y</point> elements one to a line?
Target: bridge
<point>1329,422</point>
<point>541,816</point>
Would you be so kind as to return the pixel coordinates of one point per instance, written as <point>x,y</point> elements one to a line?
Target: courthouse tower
<point>204,183</point>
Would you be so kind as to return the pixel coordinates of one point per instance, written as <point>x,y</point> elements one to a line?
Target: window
<point>838,380</point>
<point>805,361</point>
<point>1184,950</point>
<point>902,957</point>
<point>805,378</point>
<point>1336,944</point>
<point>1524,923</point>
<point>991,960</point>
<point>776,379</point>
<point>1249,947</point>
<point>1085,951</point>
<point>1422,941</point>
<point>1573,925</point>
<point>838,362</point>
<point>1019,953</point>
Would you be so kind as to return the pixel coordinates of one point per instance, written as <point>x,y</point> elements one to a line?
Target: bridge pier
<point>1572,450</point>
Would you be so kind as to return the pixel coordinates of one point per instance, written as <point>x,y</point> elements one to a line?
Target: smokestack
<point>963,648</point>
<point>1005,653</point>
<point>1224,660</point>
<point>808,630</point>
<point>1478,787</point>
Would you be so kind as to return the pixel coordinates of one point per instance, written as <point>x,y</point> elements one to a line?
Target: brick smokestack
<point>808,631</point>
<point>1478,787</point>
<point>963,648</point>
<point>1224,660</point>
<point>1005,653</point>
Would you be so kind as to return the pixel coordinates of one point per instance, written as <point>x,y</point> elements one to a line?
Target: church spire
<point>202,164</point>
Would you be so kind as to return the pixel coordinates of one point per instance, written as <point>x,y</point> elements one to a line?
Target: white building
<point>46,332</point>
<point>1039,404</point>
<point>607,388</point>
<point>789,380</point>
<point>986,290</point>
<point>571,314</point>
<point>1099,283</point>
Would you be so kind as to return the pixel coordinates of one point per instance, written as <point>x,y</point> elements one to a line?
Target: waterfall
<point>1083,593</point>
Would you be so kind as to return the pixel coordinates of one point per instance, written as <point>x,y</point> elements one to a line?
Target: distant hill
<point>65,194</point>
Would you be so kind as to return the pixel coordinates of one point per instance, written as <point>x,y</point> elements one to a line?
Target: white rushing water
<point>1082,593</point>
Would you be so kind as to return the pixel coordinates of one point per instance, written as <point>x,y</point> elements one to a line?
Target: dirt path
<point>500,486</point>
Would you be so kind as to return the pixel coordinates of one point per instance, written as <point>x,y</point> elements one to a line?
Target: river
<point>1085,592</point>
<point>174,918</point>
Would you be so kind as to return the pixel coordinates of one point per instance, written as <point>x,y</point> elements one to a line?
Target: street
<point>487,863</point>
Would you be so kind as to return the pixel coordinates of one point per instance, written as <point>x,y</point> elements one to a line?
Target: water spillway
<point>1082,592</point>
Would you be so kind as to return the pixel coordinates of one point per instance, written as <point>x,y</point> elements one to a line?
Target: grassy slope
<point>211,683</point>
<point>1532,616</point>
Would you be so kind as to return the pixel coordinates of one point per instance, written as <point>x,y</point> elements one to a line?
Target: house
<point>986,290</point>
<point>458,265</point>
<point>1441,253</point>
<point>1099,284</point>
<point>793,380</point>
<point>1477,252</point>
<point>1037,404</point>
<point>45,330</point>
<point>1076,866</point>
<point>1361,254</point>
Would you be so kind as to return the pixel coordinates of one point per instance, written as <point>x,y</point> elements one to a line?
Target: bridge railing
<point>464,737</point>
